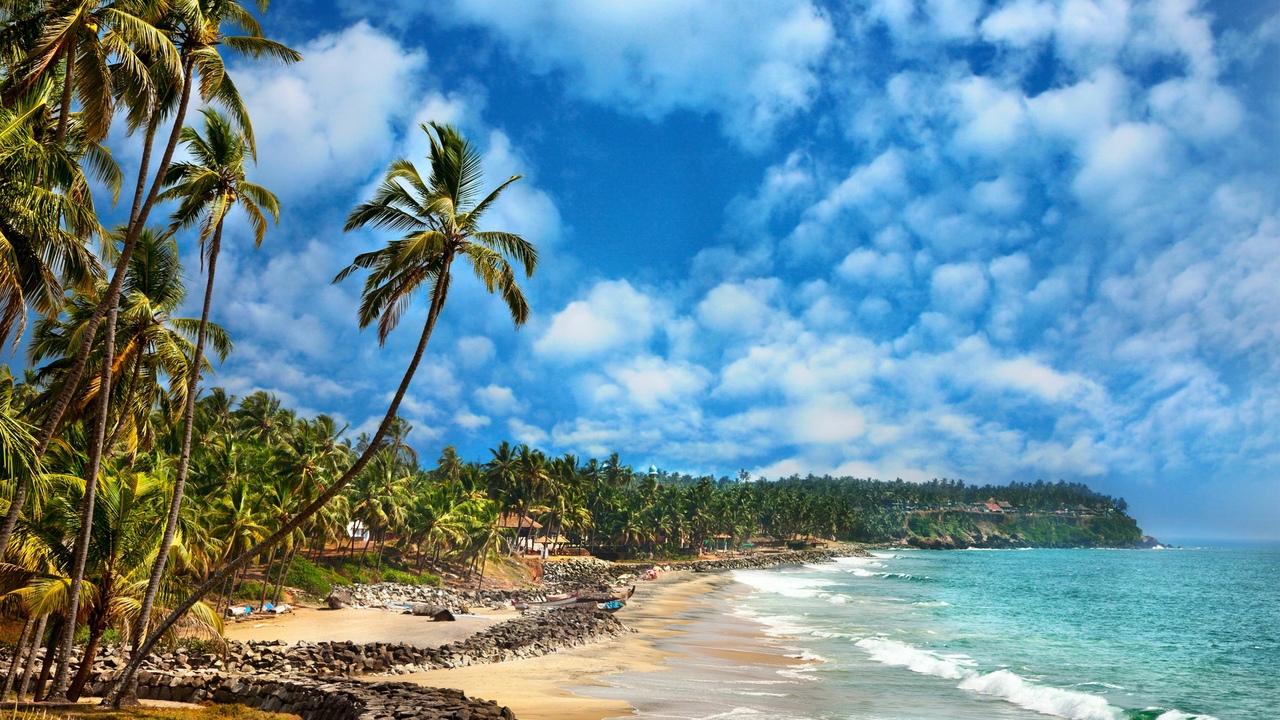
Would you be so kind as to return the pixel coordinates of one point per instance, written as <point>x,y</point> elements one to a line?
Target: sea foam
<point>1047,700</point>
<point>892,652</point>
<point>1002,684</point>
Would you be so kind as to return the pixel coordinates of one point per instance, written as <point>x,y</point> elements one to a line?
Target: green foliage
<point>405,578</point>
<point>248,590</point>
<point>201,646</point>
<point>305,576</point>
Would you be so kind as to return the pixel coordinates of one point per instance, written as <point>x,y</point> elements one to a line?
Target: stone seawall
<point>530,635</point>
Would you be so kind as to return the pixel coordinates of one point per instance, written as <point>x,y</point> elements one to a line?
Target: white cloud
<point>466,419</point>
<point>959,289</point>
<point>1021,23</point>
<point>523,432</point>
<point>497,399</point>
<point>753,63</point>
<point>739,307</point>
<point>475,350</point>
<point>329,121</point>
<point>613,315</point>
<point>647,384</point>
<point>1120,169</point>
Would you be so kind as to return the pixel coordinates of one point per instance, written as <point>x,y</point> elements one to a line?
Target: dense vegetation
<point>138,501</point>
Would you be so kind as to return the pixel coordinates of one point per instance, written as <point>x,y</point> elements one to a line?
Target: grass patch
<point>307,578</point>
<point>248,590</point>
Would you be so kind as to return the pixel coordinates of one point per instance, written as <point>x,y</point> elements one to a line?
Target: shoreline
<point>557,686</point>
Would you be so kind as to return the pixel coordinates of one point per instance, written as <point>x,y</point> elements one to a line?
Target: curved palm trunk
<point>283,574</point>
<point>112,299</point>
<point>266,578</point>
<point>49,652</point>
<point>59,690</point>
<point>184,459</point>
<point>58,693</point>
<point>126,681</point>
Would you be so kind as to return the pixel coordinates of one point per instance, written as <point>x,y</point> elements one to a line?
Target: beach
<point>572,684</point>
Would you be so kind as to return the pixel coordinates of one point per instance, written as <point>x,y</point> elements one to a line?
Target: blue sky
<point>896,238</point>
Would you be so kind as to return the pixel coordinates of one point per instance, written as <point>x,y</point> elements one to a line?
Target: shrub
<point>396,576</point>
<point>248,590</point>
<point>201,646</point>
<point>307,577</point>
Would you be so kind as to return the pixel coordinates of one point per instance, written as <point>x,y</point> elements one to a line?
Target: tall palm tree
<point>208,187</point>
<point>151,343</point>
<point>198,31</point>
<point>84,36</point>
<point>440,216</point>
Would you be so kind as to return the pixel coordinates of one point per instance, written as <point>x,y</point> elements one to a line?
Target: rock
<point>339,598</point>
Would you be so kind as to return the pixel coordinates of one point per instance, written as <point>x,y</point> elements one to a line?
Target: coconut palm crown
<point>440,217</point>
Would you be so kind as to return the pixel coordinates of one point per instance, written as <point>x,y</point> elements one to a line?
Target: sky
<point>1015,240</point>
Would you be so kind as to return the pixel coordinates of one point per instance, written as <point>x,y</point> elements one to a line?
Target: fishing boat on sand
<point>553,601</point>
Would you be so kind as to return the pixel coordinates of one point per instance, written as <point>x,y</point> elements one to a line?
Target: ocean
<point>1168,634</point>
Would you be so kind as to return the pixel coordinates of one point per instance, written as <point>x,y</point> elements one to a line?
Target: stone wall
<point>530,635</point>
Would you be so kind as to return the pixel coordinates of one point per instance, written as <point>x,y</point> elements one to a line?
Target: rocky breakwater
<point>312,698</point>
<point>384,594</point>
<point>590,573</point>
<point>530,635</point>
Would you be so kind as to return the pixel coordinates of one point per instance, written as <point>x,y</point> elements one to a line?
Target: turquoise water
<point>973,635</point>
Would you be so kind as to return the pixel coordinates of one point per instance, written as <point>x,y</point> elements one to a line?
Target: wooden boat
<point>553,601</point>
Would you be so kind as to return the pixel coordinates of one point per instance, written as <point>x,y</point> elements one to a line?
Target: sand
<point>361,625</point>
<point>539,688</point>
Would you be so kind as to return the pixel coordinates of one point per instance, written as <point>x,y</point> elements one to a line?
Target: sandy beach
<point>556,686</point>
<point>559,686</point>
<point>361,625</point>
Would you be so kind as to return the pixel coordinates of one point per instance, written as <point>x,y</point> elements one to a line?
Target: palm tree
<point>46,214</point>
<point>209,187</point>
<point>84,35</point>
<point>441,217</point>
<point>198,32</point>
<point>151,342</point>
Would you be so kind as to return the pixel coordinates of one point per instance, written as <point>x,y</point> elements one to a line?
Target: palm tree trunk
<point>37,640</point>
<point>72,382</point>
<point>126,680</point>
<point>184,458</point>
<point>266,578</point>
<point>17,656</point>
<point>97,624</point>
<point>68,86</point>
<point>80,555</point>
<point>284,572</point>
<point>50,651</point>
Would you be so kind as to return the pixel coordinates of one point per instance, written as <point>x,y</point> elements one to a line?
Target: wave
<point>934,603</point>
<point>1011,687</point>
<point>1043,699</point>
<point>892,652</point>
<point>793,585</point>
